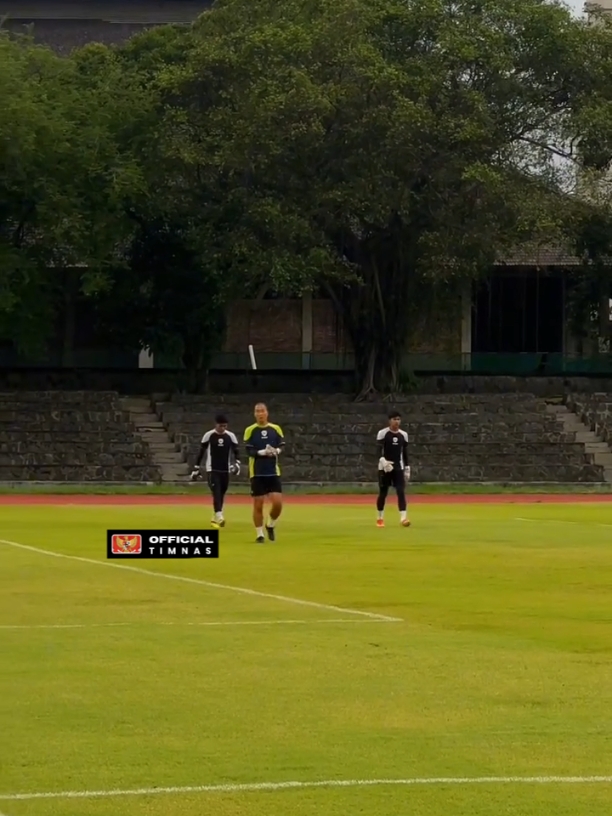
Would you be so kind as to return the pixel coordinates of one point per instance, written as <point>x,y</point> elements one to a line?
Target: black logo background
<point>209,548</point>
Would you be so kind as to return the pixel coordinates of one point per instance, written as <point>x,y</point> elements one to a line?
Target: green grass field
<point>501,664</point>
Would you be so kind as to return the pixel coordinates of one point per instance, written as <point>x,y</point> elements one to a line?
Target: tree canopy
<point>381,149</point>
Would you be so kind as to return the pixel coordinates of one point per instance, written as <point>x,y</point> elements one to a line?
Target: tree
<point>63,181</point>
<point>590,290</point>
<point>31,135</point>
<point>168,297</point>
<point>386,147</point>
<point>170,288</point>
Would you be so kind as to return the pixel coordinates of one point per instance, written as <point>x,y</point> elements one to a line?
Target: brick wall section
<point>66,35</point>
<point>276,326</point>
<point>146,11</point>
<point>270,325</point>
<point>438,332</point>
<point>328,335</point>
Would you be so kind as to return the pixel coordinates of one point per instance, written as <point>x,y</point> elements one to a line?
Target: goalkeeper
<point>393,468</point>
<point>264,443</point>
<point>220,448</point>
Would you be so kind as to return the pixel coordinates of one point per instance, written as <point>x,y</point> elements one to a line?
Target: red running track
<point>501,498</point>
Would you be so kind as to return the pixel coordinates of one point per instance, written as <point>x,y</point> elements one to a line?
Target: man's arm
<point>204,444</point>
<point>251,450</point>
<point>280,442</point>
<point>235,446</point>
<point>380,440</point>
<point>405,455</point>
<point>235,452</point>
<point>383,464</point>
<point>405,448</point>
<point>203,448</point>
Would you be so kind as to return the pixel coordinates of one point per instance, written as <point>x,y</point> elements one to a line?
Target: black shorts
<point>394,479</point>
<point>264,485</point>
<point>218,480</point>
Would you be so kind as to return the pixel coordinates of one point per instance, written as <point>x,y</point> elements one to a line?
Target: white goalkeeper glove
<point>263,452</point>
<point>270,451</point>
<point>407,473</point>
<point>235,468</point>
<point>384,464</point>
<point>195,473</point>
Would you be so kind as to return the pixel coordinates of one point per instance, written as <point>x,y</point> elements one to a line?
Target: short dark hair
<point>221,419</point>
<point>394,415</point>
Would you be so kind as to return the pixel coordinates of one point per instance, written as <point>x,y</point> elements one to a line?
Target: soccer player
<point>393,468</point>
<point>220,447</point>
<point>264,443</point>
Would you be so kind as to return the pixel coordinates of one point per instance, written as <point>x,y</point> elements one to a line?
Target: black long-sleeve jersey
<point>220,450</point>
<point>393,445</point>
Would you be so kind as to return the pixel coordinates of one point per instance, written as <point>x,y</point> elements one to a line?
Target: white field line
<point>22,626</point>
<point>200,582</point>
<point>563,521</point>
<point>329,783</point>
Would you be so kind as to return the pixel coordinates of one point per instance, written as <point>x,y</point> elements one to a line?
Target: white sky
<point>577,6</point>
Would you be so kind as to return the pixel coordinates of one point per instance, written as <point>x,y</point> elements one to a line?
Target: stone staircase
<point>593,413</point>
<point>593,443</point>
<point>71,437</point>
<point>151,429</point>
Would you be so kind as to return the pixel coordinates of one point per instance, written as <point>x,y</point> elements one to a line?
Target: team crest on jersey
<point>221,441</point>
<point>395,440</point>
<point>264,434</point>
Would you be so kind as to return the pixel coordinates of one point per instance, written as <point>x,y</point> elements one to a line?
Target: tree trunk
<point>377,355</point>
<point>377,346</point>
<point>366,371</point>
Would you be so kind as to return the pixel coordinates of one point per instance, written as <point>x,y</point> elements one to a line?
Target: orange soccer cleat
<point>380,522</point>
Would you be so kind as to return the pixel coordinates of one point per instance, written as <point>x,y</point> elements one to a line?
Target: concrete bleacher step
<point>169,460</point>
<point>594,445</point>
<point>471,438</point>
<point>71,437</point>
<point>172,473</point>
<point>155,437</point>
<point>162,447</point>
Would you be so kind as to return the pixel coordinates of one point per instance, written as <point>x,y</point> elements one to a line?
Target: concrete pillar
<point>145,359</point>
<point>466,324</point>
<point>306,329</point>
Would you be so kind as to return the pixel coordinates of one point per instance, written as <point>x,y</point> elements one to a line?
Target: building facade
<point>67,24</point>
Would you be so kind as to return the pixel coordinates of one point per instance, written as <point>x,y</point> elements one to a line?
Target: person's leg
<point>221,485</point>
<point>258,515</point>
<point>276,500</point>
<point>402,504</point>
<point>383,489</point>
<point>213,484</point>
<point>258,504</point>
